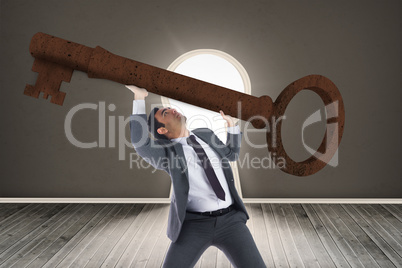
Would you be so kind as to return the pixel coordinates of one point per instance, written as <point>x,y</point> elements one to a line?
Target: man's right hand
<point>139,93</point>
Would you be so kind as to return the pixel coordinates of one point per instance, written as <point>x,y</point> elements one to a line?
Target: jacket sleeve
<point>230,150</point>
<point>152,151</point>
<point>232,146</point>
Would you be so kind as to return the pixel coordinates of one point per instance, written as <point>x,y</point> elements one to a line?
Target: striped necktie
<point>206,164</point>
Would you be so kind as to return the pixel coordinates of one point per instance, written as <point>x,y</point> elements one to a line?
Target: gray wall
<point>357,44</point>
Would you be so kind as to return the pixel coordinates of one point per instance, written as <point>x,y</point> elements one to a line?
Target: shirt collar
<point>183,140</point>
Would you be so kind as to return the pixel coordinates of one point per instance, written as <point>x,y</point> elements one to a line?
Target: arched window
<point>215,67</point>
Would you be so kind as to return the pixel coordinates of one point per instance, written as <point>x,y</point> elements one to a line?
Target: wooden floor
<point>134,235</point>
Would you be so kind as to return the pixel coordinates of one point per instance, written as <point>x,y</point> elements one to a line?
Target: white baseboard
<point>245,200</point>
<point>85,200</point>
<point>325,200</point>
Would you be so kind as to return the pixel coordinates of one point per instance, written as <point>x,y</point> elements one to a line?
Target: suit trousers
<point>228,233</point>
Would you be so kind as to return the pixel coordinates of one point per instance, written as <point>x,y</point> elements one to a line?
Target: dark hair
<point>154,124</point>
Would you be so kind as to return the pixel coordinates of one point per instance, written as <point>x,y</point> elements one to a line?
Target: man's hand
<point>230,121</point>
<point>139,93</point>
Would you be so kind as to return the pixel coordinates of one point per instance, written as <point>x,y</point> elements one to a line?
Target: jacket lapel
<point>209,137</point>
<point>181,158</point>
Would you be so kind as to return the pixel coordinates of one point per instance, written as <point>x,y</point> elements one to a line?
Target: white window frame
<point>247,90</point>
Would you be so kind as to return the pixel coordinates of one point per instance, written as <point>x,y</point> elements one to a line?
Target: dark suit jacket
<point>169,156</point>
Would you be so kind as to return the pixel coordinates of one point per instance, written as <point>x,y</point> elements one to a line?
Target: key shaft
<point>100,63</point>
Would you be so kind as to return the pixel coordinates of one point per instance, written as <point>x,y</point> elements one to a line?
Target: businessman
<point>205,208</point>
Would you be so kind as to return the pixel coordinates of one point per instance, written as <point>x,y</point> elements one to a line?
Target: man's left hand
<point>230,120</point>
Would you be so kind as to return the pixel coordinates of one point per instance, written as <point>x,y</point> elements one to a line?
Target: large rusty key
<point>56,58</point>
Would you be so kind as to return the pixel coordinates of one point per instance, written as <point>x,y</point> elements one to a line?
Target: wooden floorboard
<point>394,211</point>
<point>371,247</point>
<point>100,236</point>
<point>11,209</point>
<point>97,214</point>
<point>134,250</point>
<point>50,232</point>
<point>277,250</point>
<point>134,235</point>
<point>313,239</point>
<point>19,238</point>
<point>159,251</point>
<point>357,249</point>
<point>303,247</point>
<point>121,225</point>
<point>260,233</point>
<point>151,238</point>
<point>63,244</point>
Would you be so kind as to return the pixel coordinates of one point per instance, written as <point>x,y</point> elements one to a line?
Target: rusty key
<point>56,59</point>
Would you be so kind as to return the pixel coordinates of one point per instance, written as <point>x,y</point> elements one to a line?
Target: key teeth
<point>50,77</point>
<point>58,99</point>
<point>31,91</point>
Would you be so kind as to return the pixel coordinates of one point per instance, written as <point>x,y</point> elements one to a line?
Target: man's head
<point>166,123</point>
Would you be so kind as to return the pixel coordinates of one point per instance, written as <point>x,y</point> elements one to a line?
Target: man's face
<point>172,119</point>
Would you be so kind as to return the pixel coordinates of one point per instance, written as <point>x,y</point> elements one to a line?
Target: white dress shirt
<point>201,196</point>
